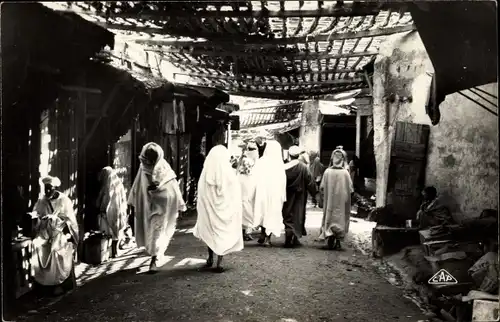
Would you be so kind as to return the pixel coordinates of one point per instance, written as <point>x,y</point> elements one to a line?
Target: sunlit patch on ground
<point>190,262</point>
<point>360,232</point>
<point>85,272</point>
<point>185,230</point>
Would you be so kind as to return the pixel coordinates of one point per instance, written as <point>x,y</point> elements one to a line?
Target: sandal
<point>152,266</point>
<point>267,241</point>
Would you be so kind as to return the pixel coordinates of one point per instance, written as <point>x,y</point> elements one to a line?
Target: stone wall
<point>463,148</point>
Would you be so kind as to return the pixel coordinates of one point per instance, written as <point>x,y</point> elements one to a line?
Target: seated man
<point>432,212</point>
<point>56,238</point>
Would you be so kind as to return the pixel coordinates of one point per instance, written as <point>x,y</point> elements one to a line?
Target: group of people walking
<point>265,191</point>
<point>275,192</point>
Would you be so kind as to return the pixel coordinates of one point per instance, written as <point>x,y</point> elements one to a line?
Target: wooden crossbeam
<point>297,55</point>
<point>81,89</point>
<point>344,10</point>
<point>295,95</point>
<point>272,43</point>
<point>246,76</point>
<point>257,83</point>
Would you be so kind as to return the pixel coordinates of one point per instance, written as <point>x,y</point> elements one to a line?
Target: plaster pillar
<point>382,128</point>
<point>310,126</point>
<point>397,96</point>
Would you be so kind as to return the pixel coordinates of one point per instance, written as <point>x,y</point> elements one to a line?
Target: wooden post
<point>228,139</point>
<point>82,168</point>
<point>358,134</point>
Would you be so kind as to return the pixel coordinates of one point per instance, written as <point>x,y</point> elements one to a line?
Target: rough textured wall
<point>463,148</point>
<point>463,155</point>
<point>310,127</point>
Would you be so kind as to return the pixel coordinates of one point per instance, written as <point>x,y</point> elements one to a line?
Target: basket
<point>96,248</point>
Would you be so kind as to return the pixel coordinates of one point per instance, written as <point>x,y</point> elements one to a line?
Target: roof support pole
<point>104,109</point>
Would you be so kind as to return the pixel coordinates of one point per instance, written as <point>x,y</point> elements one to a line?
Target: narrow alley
<point>258,161</point>
<point>260,284</point>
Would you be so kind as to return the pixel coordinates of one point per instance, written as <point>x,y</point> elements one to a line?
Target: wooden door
<point>407,167</point>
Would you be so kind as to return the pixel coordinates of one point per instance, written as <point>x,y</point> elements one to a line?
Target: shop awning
<point>283,127</point>
<point>461,40</point>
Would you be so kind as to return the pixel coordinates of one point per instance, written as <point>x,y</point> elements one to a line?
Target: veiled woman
<point>270,193</point>
<point>157,201</point>
<point>56,237</point>
<point>247,184</point>
<point>336,187</point>
<point>112,204</point>
<point>219,207</point>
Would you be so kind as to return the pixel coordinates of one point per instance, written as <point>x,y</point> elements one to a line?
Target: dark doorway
<point>335,131</point>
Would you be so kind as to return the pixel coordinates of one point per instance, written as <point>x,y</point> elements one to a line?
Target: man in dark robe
<point>432,211</point>
<point>299,183</point>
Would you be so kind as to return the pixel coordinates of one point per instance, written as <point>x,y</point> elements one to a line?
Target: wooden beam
<point>247,76</point>
<point>296,55</point>
<point>295,95</point>
<point>272,43</point>
<point>344,10</point>
<point>80,89</point>
<point>257,83</point>
<point>104,110</point>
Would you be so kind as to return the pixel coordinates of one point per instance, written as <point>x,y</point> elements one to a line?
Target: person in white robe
<point>247,184</point>
<point>56,237</point>
<point>336,187</point>
<point>270,193</point>
<point>112,204</point>
<point>219,207</point>
<point>157,201</point>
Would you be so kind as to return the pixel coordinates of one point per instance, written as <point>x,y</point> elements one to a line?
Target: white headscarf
<point>53,181</point>
<point>217,167</point>
<point>294,151</point>
<point>219,204</point>
<point>270,195</point>
<point>273,154</point>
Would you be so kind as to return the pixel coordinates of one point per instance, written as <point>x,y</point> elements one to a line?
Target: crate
<point>431,246</point>
<point>485,310</point>
<point>425,236</point>
<point>96,249</point>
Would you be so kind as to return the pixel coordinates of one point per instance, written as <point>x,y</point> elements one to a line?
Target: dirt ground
<point>260,284</point>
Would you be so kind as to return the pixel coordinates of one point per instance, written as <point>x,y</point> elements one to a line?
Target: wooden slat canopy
<point>270,115</point>
<point>271,49</point>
